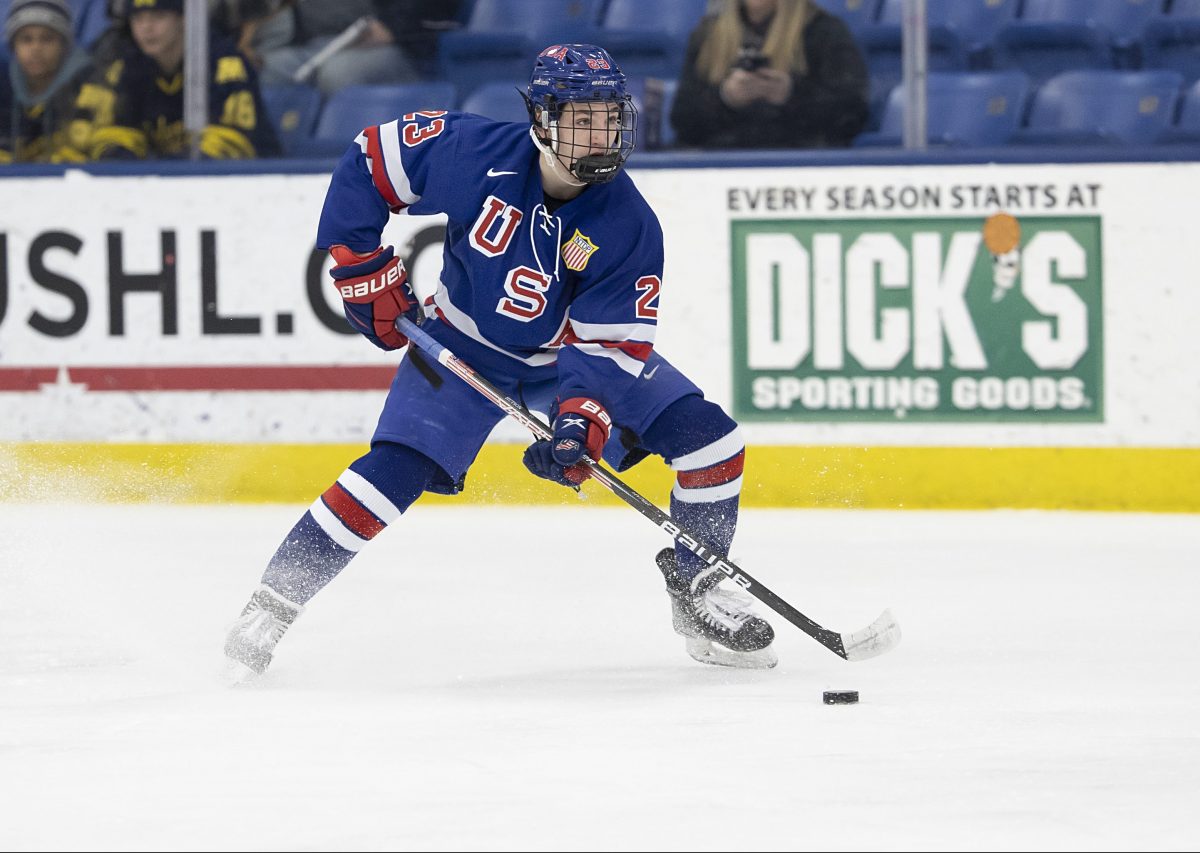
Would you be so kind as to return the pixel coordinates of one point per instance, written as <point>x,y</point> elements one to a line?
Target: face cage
<point>593,168</point>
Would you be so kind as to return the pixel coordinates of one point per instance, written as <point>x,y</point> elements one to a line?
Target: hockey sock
<point>705,448</point>
<point>366,498</point>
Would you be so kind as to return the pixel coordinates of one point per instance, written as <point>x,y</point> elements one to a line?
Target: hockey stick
<point>873,640</point>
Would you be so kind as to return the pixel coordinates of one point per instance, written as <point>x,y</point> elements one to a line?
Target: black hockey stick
<point>873,640</point>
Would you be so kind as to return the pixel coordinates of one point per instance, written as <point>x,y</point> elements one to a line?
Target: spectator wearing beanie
<point>45,76</point>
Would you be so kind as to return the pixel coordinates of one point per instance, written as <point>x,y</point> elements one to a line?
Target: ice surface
<point>508,679</point>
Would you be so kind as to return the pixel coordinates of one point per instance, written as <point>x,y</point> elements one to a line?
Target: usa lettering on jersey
<point>578,286</point>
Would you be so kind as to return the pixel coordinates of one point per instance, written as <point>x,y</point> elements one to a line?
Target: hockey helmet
<point>581,74</point>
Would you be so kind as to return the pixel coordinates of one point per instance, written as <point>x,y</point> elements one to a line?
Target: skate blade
<point>706,651</point>
<point>237,674</point>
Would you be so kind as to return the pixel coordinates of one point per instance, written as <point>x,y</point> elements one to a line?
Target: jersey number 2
<point>647,303</point>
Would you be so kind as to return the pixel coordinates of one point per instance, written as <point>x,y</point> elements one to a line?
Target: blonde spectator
<point>770,74</point>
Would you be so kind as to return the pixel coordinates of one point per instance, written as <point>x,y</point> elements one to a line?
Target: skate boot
<point>717,623</point>
<point>257,631</point>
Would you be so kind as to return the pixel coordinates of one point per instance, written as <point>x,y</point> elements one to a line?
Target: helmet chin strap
<point>556,165</point>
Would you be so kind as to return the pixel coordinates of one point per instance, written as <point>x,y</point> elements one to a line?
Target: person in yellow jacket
<point>38,94</point>
<point>134,108</point>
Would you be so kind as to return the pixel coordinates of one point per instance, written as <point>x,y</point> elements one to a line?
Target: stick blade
<point>880,636</point>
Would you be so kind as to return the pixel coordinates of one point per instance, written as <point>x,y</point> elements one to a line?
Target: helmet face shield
<point>592,139</point>
<point>581,111</point>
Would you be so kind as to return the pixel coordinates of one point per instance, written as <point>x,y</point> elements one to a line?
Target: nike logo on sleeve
<point>492,173</point>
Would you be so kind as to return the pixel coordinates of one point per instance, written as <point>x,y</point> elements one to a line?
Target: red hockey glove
<point>375,293</point>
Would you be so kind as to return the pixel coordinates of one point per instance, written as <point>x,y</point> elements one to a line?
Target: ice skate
<point>717,623</point>
<point>252,639</point>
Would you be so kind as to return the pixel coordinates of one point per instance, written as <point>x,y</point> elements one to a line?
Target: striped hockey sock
<point>347,516</point>
<point>708,486</point>
<point>367,497</point>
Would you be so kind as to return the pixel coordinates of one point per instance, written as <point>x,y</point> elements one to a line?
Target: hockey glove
<point>375,293</point>
<point>582,426</point>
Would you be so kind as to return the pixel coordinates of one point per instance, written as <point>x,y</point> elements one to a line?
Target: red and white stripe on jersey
<point>712,473</point>
<point>628,344</point>
<point>352,511</point>
<point>381,145</point>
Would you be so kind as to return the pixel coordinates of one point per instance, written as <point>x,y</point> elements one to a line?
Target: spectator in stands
<point>115,40</point>
<point>44,78</point>
<point>394,40</point>
<point>770,74</point>
<point>134,107</point>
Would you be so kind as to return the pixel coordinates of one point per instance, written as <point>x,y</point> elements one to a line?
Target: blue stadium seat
<point>883,51</point>
<point>499,101</point>
<point>1123,20</point>
<point>648,38</point>
<point>880,89</point>
<point>1045,50</point>
<point>1187,127</point>
<point>1102,107</point>
<point>1052,36</point>
<point>349,110</point>
<point>91,19</point>
<point>652,98</point>
<point>666,137</point>
<point>856,14</point>
<point>293,109</point>
<point>970,24</point>
<point>1172,41</point>
<point>970,108</point>
<point>502,37</point>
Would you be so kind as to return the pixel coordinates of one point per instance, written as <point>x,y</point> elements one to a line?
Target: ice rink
<point>508,679</point>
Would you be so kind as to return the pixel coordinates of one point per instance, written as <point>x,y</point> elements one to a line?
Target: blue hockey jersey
<point>526,290</point>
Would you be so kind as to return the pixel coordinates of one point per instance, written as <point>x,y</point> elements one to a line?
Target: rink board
<point>160,343</point>
<point>1130,479</point>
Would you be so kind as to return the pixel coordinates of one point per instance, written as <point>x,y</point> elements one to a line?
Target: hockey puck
<point>840,697</point>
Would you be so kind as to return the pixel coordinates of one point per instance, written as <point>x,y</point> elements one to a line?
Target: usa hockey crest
<point>578,251</point>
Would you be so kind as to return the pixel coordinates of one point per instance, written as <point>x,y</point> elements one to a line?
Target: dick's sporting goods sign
<point>948,319</point>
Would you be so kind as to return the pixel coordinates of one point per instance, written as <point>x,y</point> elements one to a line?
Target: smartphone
<point>751,60</point>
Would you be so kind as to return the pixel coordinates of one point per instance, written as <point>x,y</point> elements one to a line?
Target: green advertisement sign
<point>947,319</point>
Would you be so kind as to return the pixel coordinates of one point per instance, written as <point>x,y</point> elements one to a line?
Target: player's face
<point>588,127</point>
<point>158,33</point>
<point>39,50</point>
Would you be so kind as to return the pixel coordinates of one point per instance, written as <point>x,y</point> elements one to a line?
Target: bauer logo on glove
<point>374,284</point>
<point>375,293</point>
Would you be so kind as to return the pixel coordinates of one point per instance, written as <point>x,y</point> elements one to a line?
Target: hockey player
<point>552,267</point>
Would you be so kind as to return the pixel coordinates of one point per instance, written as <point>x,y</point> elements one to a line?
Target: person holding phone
<point>770,74</point>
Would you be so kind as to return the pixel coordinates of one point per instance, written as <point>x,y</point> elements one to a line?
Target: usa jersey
<point>526,290</point>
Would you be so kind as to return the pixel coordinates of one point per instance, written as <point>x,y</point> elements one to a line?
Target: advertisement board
<point>831,310</point>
